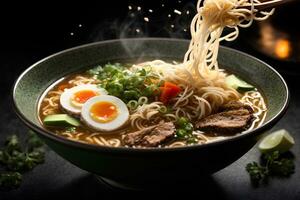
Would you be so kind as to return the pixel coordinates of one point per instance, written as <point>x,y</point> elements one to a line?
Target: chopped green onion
<point>181,133</point>
<point>95,71</point>
<point>138,81</point>
<point>182,121</point>
<point>71,129</point>
<point>132,105</point>
<point>115,89</point>
<point>151,89</point>
<point>189,128</point>
<point>111,69</point>
<point>127,85</point>
<point>131,94</point>
<point>192,140</point>
<point>185,130</point>
<point>163,109</point>
<point>143,100</point>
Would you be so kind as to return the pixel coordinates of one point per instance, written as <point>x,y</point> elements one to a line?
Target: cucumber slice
<point>238,84</point>
<point>61,120</point>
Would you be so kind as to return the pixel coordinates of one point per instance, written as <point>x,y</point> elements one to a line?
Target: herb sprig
<point>17,160</point>
<point>272,164</point>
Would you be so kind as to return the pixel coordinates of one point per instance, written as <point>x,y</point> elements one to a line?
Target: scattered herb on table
<point>10,179</point>
<point>17,160</point>
<point>275,159</point>
<point>272,164</point>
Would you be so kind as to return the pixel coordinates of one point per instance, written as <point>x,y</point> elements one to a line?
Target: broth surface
<point>49,104</point>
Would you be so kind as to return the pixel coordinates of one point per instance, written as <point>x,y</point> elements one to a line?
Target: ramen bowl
<point>135,167</point>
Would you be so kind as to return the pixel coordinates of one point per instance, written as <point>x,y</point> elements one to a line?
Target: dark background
<point>30,32</point>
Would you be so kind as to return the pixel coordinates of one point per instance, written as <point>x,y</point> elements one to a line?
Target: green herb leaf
<point>2,157</point>
<point>95,71</point>
<point>10,180</point>
<point>256,172</point>
<point>71,129</point>
<point>272,164</point>
<point>115,89</point>
<point>282,167</point>
<point>34,141</point>
<point>131,95</point>
<point>15,160</point>
<point>12,143</point>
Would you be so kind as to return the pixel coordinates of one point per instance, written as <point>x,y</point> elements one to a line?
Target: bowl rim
<point>98,148</point>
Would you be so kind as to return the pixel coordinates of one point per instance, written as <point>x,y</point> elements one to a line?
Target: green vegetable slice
<point>238,84</point>
<point>61,120</point>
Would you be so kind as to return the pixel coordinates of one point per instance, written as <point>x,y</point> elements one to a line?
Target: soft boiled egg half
<point>73,99</point>
<point>104,113</point>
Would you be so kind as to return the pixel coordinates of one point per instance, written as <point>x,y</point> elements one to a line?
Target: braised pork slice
<point>234,118</point>
<point>152,136</point>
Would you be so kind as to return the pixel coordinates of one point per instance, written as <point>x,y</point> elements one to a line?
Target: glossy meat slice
<point>234,118</point>
<point>235,105</point>
<point>152,136</point>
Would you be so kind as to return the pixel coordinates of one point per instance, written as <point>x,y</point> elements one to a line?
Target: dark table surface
<point>57,178</point>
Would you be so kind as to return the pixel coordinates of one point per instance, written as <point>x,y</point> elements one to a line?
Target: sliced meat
<point>227,122</point>
<point>160,133</point>
<point>151,136</point>
<point>131,139</point>
<point>236,105</point>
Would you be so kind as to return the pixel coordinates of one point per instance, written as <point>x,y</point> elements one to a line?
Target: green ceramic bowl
<point>134,166</point>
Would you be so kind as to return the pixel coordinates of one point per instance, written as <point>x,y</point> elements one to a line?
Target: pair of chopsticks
<point>267,4</point>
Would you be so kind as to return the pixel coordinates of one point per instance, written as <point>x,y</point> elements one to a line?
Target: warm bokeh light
<point>282,48</point>
<point>275,43</point>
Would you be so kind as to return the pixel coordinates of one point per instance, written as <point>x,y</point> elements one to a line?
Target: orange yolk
<point>104,112</point>
<point>84,95</point>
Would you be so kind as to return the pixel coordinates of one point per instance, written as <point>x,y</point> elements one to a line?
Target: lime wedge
<point>279,140</point>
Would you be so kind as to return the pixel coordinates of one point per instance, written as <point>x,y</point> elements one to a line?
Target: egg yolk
<point>104,112</point>
<point>84,95</point>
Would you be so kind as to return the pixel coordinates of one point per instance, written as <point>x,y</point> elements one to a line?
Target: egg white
<point>67,95</point>
<point>118,122</point>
